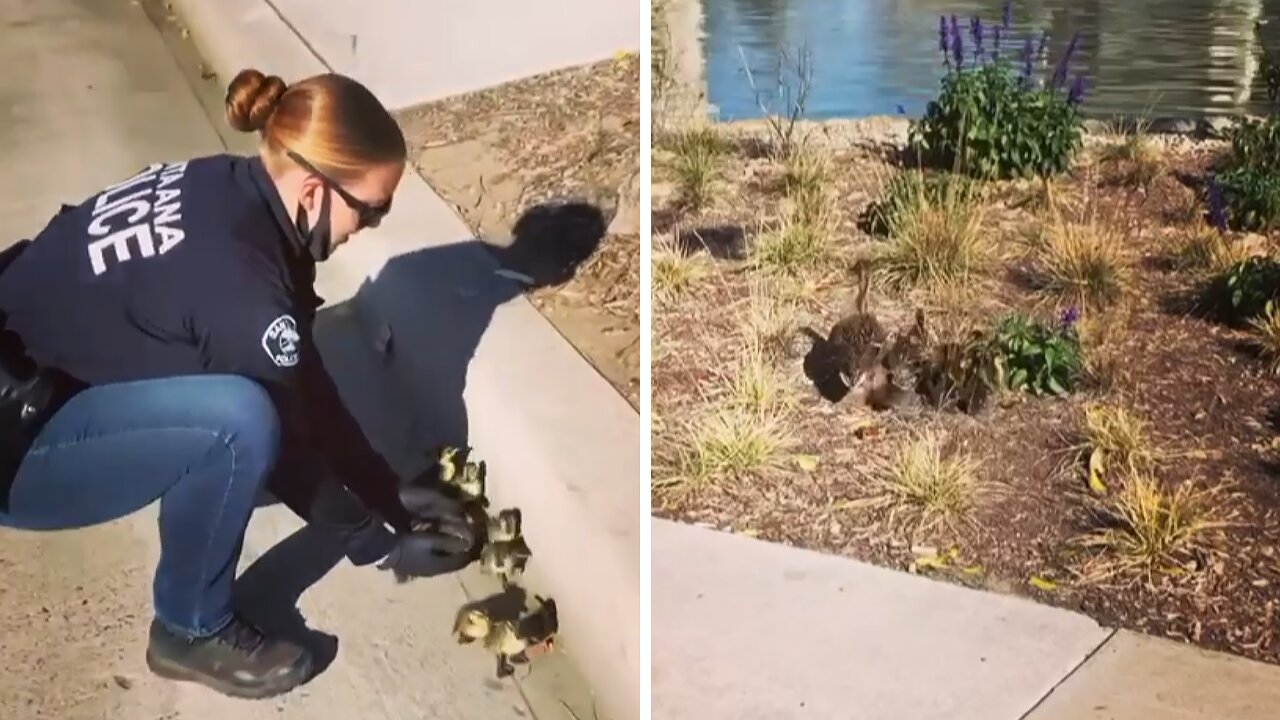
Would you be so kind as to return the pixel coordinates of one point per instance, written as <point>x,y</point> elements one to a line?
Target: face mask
<point>317,240</point>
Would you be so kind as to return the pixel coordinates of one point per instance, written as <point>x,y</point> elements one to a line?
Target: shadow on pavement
<point>427,294</point>
<point>550,241</point>
<point>269,590</point>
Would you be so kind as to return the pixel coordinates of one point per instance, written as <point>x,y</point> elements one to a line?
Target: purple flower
<point>1028,57</point>
<point>1217,206</point>
<point>1077,90</point>
<point>1070,317</point>
<point>975,27</point>
<point>995,52</point>
<point>1006,21</point>
<point>1060,74</point>
<point>957,43</point>
<point>943,33</point>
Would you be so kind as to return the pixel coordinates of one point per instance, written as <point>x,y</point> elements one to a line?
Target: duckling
<point>512,641</point>
<point>470,483</point>
<point>959,374</point>
<point>470,625</point>
<point>447,462</point>
<point>505,559</point>
<point>504,641</point>
<point>505,526</point>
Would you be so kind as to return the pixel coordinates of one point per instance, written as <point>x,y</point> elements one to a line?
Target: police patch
<point>282,341</point>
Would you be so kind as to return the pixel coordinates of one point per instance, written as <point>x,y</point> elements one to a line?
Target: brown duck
<point>836,362</point>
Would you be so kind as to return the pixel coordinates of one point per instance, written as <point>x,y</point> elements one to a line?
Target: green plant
<point>1038,358</point>
<point>1245,193</point>
<point>993,119</point>
<point>1243,290</point>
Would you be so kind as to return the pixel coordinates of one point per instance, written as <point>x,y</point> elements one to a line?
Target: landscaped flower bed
<point>1122,459</point>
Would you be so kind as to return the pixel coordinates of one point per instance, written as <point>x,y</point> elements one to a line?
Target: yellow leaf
<point>934,562</point>
<point>1096,467</point>
<point>750,532</point>
<point>972,570</point>
<point>807,463</point>
<point>1043,584</point>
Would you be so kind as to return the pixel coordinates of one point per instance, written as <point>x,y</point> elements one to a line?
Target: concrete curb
<point>572,466</point>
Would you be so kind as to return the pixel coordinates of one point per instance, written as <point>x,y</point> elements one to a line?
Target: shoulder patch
<point>282,341</point>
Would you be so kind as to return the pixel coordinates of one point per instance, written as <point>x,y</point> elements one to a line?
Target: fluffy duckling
<point>469,483</point>
<point>505,526</point>
<point>514,640</point>
<point>506,560</point>
<point>470,625</point>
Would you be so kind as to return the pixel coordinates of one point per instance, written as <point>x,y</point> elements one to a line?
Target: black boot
<point>239,661</point>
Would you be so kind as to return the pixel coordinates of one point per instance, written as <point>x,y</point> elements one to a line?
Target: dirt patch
<point>546,171</point>
<point>1208,401</point>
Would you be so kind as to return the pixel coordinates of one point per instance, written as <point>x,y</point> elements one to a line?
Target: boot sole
<point>272,688</point>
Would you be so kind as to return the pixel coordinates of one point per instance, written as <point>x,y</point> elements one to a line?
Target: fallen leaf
<point>807,463</point>
<point>1043,584</point>
<point>972,570</point>
<point>750,532</point>
<point>1096,467</point>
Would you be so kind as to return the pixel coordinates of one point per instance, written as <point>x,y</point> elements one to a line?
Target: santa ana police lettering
<point>130,201</point>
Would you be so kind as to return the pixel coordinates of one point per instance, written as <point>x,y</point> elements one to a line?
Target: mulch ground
<point>570,136</point>
<point>1210,402</point>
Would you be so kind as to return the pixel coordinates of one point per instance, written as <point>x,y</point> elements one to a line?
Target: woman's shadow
<point>408,395</point>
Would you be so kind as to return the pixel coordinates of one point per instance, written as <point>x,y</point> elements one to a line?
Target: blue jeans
<point>205,446</point>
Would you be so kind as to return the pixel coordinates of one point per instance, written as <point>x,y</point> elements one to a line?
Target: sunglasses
<point>369,215</point>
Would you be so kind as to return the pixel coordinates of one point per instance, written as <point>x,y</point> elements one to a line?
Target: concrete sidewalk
<point>410,52</point>
<point>465,346</point>
<point>95,92</point>
<point>747,630</point>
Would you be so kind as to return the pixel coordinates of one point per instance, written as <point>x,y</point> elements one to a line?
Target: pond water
<point>870,57</point>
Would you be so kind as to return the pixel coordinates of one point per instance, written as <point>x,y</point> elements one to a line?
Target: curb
<point>573,472</point>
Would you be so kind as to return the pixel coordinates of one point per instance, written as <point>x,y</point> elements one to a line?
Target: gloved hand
<point>441,539</point>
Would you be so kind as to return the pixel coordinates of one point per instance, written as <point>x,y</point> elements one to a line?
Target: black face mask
<point>318,240</point>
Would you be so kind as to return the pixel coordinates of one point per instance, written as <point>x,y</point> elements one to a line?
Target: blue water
<point>869,57</point>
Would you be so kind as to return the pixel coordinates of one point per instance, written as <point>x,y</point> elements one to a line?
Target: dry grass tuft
<point>696,156</point>
<point>1208,250</point>
<point>675,272</point>
<point>1082,263</point>
<point>923,487</point>
<point>935,230</point>
<point>1145,530</point>
<point>1266,330</point>
<point>1119,439</point>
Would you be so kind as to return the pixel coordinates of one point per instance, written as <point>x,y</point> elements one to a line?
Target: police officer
<point>158,346</point>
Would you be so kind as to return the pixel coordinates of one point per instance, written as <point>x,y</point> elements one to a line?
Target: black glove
<point>442,539</point>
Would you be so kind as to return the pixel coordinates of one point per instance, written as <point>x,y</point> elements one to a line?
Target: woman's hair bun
<point>251,98</point>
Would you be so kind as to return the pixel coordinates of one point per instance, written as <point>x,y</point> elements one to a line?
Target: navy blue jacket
<point>190,268</point>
